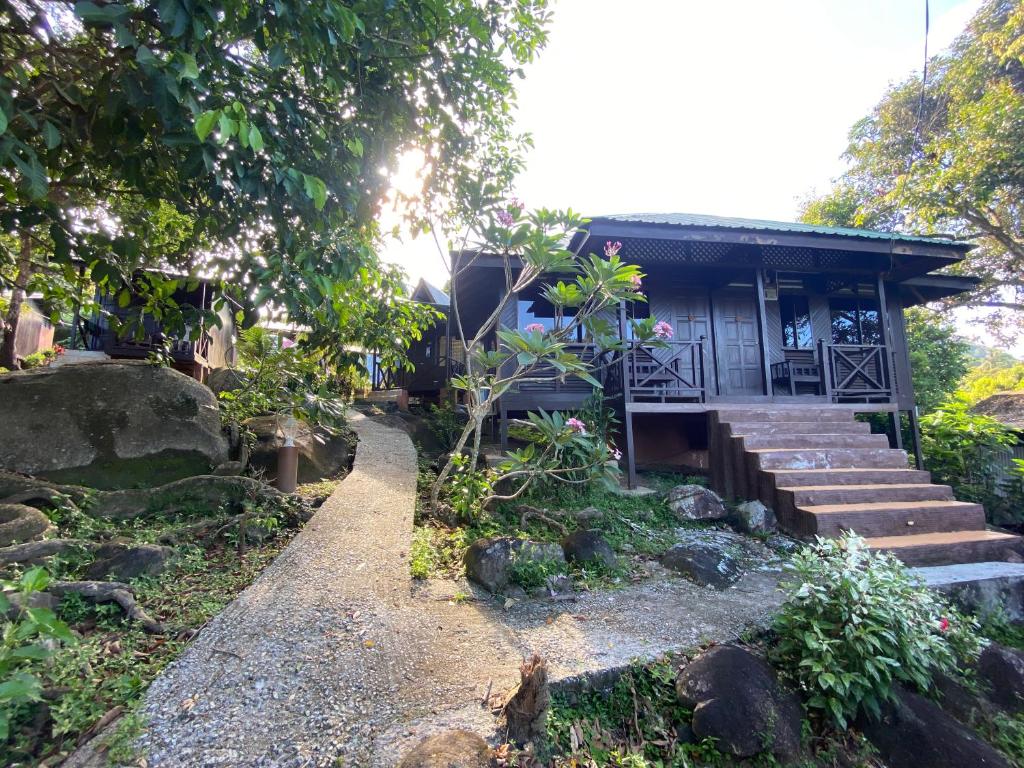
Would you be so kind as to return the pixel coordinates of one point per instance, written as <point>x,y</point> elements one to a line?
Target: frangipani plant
<point>582,289</point>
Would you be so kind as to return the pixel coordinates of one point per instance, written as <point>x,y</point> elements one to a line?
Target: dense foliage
<point>938,357</point>
<point>952,161</point>
<point>855,623</point>
<point>968,452</point>
<point>245,140</point>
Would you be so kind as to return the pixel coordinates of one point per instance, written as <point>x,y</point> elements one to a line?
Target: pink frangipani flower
<point>576,425</point>
<point>534,328</point>
<point>636,282</point>
<point>505,218</point>
<point>663,330</point>
<point>612,249</point>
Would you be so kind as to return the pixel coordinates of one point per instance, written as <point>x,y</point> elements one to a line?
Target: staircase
<point>823,473</point>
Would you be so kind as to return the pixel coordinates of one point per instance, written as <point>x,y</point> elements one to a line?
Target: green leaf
<point>206,122</point>
<point>3,121</point>
<point>316,190</point>
<point>21,687</point>
<point>91,13</point>
<point>51,135</point>
<point>37,184</point>
<point>189,68</point>
<point>255,139</point>
<point>226,127</point>
<point>34,580</point>
<point>145,56</point>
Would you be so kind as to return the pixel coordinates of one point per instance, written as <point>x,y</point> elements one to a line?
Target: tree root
<point>36,551</point>
<point>200,491</point>
<point>109,592</point>
<point>526,512</point>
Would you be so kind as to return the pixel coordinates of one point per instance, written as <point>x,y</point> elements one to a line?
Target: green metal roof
<point>733,222</point>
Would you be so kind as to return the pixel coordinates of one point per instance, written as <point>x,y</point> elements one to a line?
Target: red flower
<point>943,624</point>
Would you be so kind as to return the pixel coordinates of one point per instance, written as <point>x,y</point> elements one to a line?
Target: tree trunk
<point>8,355</point>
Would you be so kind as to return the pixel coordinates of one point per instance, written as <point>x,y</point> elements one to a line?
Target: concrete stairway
<point>823,472</point>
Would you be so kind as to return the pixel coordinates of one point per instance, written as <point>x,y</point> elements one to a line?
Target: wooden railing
<point>548,381</point>
<point>855,372</point>
<point>672,372</point>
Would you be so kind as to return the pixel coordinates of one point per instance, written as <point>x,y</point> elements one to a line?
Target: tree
<point>268,129</point>
<point>990,377</point>
<point>581,289</point>
<point>951,160</point>
<point>938,357</point>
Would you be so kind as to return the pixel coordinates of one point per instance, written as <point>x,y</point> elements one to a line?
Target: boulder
<point>695,502</point>
<point>957,699</point>
<point>489,561</point>
<point>225,380</point>
<point>589,547</point>
<point>229,469</point>
<point>321,452</point>
<point>109,425</point>
<point>737,700</point>
<point>754,517</point>
<point>915,732</point>
<point>1001,670</point>
<point>451,749</point>
<point>20,523</point>
<point>706,559</point>
<point>122,562</point>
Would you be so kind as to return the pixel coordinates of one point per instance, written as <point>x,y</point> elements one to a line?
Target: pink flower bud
<point>612,249</point>
<point>534,328</point>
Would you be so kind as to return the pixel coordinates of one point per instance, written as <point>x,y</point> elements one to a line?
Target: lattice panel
<point>782,257</point>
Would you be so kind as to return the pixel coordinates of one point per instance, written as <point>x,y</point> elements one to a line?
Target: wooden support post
<point>883,318</point>
<point>915,431</point>
<point>826,369</point>
<point>630,450</point>
<point>896,424</point>
<point>762,322</point>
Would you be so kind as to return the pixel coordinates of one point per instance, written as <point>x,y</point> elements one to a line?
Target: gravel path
<point>333,657</point>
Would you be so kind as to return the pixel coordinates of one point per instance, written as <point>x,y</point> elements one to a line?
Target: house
<point>782,332</point>
<point>35,331</point>
<point>214,347</point>
<point>433,359</point>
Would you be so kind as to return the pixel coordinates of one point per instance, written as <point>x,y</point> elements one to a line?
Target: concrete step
<point>771,415</point>
<point>828,458</point>
<point>889,518</point>
<point>799,428</point>
<point>798,440</point>
<point>794,478</point>
<point>801,496</point>
<point>928,549</point>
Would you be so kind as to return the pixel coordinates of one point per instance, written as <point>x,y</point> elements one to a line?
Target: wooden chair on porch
<point>800,368</point>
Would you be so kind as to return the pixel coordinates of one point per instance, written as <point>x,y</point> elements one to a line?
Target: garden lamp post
<point>288,457</point>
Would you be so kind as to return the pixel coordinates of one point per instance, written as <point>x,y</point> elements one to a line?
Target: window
<point>635,310</point>
<point>796,322</point>
<point>534,308</point>
<point>855,321</point>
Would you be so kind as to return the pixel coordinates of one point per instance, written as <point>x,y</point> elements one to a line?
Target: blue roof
<point>733,222</point>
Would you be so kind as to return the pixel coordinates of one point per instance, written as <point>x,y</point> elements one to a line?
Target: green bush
<point>35,360</point>
<point>966,451</point>
<point>855,623</point>
<point>28,641</point>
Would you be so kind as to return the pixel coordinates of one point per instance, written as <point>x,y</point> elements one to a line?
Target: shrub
<point>28,640</point>
<point>35,360</point>
<point>468,489</point>
<point>966,451</point>
<point>855,623</point>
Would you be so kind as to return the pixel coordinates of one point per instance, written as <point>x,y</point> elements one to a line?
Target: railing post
<point>626,394</point>
<point>700,360</point>
<point>826,369</point>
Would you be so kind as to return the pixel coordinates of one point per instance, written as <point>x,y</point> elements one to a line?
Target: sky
<point>737,108</point>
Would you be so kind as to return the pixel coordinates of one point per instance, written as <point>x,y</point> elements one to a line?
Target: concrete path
<point>333,656</point>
